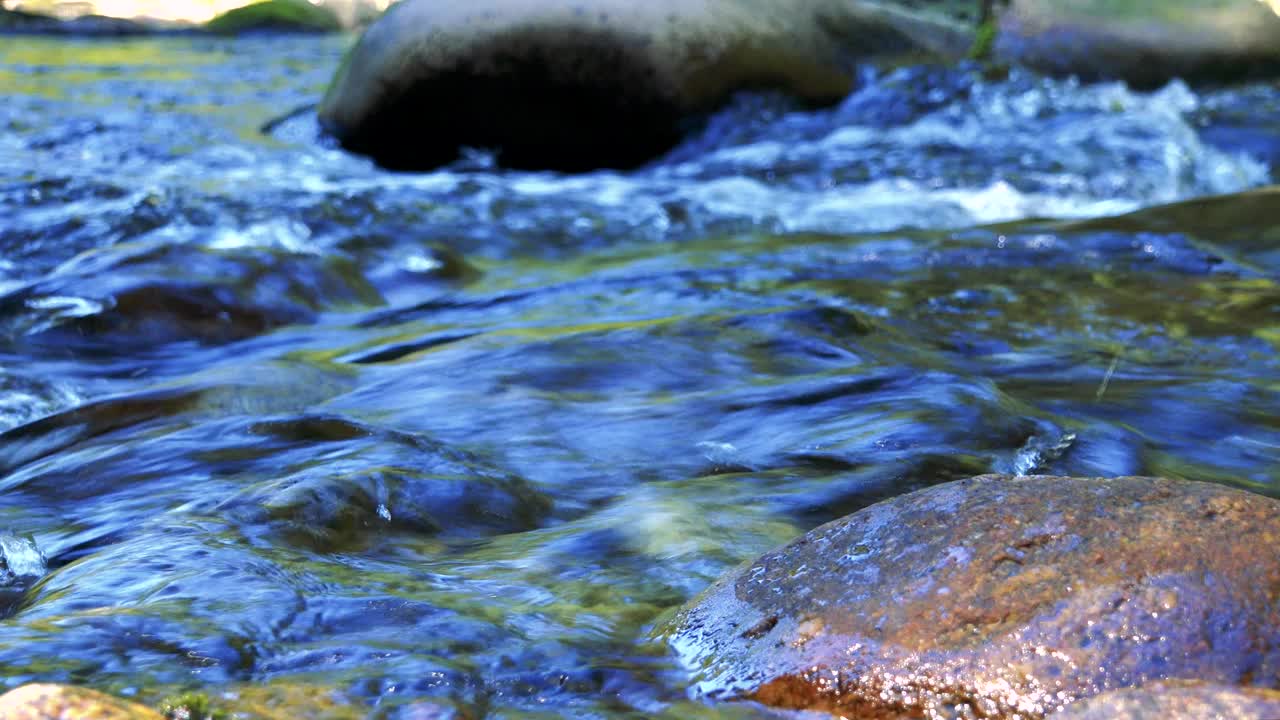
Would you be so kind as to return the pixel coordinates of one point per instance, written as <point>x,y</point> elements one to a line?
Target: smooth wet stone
<point>250,389</point>
<point>146,294</point>
<point>574,85</point>
<point>1147,43</point>
<point>1178,701</point>
<point>1243,228</point>
<point>376,481</point>
<point>998,597</point>
<point>62,702</point>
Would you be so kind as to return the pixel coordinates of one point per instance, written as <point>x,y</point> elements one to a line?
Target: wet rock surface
<point>1242,228</point>
<point>1144,43</point>
<point>575,86</point>
<point>998,596</point>
<point>149,295</point>
<point>613,84</point>
<point>62,702</point>
<point>378,481</point>
<point>280,701</point>
<point>1177,701</point>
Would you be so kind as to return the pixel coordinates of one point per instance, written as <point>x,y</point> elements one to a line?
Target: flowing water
<point>272,415</point>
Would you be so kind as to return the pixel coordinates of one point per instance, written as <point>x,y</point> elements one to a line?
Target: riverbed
<point>273,415</point>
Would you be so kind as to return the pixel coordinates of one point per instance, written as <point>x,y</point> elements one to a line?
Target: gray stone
<point>582,84</point>
<point>1144,42</point>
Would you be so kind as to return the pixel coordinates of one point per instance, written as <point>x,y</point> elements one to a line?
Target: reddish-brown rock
<point>999,597</point>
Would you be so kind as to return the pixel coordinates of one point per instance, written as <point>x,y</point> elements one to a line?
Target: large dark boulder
<point>999,597</point>
<point>583,84</point>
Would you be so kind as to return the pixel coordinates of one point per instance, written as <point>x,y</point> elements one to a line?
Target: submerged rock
<point>998,596</point>
<point>148,294</point>
<point>580,85</point>
<point>1146,43</point>
<point>375,481</point>
<point>1178,701</point>
<point>1242,228</point>
<point>278,701</point>
<point>63,702</point>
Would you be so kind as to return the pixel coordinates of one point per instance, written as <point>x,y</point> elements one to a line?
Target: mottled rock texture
<point>999,597</point>
<point>62,702</point>
<point>1178,701</point>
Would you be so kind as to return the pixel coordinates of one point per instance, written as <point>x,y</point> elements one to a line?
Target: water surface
<point>273,415</point>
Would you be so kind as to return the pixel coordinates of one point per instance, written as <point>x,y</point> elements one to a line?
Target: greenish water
<point>276,416</point>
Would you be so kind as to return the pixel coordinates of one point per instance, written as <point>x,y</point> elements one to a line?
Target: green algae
<point>1133,10</point>
<point>984,40</point>
<point>191,706</point>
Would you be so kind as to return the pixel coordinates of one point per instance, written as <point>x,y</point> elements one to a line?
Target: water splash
<point>21,564</point>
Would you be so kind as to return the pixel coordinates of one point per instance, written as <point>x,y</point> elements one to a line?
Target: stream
<point>272,415</point>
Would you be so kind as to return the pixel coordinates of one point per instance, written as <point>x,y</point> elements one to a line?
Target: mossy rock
<point>63,702</point>
<point>271,701</point>
<point>191,706</point>
<point>276,16</point>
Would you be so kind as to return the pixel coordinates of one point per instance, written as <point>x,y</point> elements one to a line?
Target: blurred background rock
<point>351,12</point>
